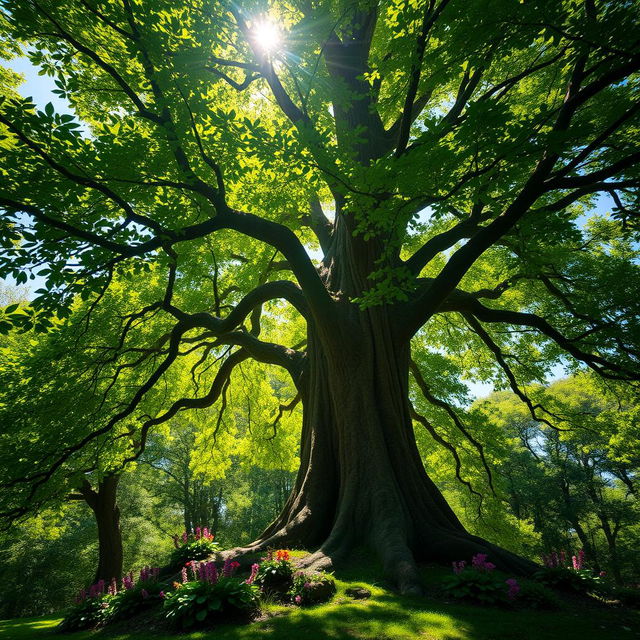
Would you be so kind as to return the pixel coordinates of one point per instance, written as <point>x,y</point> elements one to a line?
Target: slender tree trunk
<point>103,503</point>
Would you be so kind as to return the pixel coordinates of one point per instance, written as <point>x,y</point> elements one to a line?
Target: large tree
<point>382,170</point>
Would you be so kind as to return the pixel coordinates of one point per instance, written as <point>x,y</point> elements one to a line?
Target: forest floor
<point>384,616</point>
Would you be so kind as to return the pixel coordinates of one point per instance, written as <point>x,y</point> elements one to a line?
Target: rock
<point>358,593</point>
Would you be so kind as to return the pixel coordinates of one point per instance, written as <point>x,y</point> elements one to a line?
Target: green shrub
<point>199,603</point>
<point>533,595</point>
<point>87,614</point>
<point>275,574</point>
<point>128,602</point>
<point>311,588</point>
<point>565,579</point>
<point>194,546</point>
<point>478,586</point>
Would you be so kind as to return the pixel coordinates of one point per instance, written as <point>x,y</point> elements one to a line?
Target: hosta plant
<point>197,545</point>
<point>136,596</point>
<point>479,583</point>
<point>566,579</point>
<point>311,588</point>
<point>210,596</point>
<point>90,610</point>
<point>275,573</point>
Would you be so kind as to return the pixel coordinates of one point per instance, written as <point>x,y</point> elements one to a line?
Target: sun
<point>267,35</point>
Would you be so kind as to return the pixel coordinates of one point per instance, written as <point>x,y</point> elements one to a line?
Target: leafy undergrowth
<point>384,616</point>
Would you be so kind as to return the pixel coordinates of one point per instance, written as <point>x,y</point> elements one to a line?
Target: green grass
<point>385,616</point>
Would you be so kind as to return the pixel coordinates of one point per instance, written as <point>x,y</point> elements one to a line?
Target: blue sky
<point>40,88</point>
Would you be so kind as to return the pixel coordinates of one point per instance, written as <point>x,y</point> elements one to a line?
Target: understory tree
<point>575,482</point>
<point>318,185</point>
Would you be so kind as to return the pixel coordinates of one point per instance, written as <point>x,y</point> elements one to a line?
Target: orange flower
<point>282,555</point>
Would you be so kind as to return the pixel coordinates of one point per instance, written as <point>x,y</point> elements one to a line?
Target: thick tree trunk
<point>361,478</point>
<point>103,503</point>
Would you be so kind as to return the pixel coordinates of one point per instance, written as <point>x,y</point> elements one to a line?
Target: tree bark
<point>361,478</point>
<point>103,503</point>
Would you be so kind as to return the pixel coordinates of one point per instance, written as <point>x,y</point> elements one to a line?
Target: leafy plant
<point>565,579</point>
<point>311,588</point>
<point>128,602</point>
<point>533,595</point>
<point>275,574</point>
<point>87,614</point>
<point>480,586</point>
<point>197,545</point>
<point>201,602</point>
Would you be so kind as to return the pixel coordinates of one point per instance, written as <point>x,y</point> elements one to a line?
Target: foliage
<point>480,582</point>
<point>203,602</point>
<point>311,588</point>
<point>63,541</point>
<point>478,586</point>
<point>147,592</point>
<point>275,574</point>
<point>88,613</point>
<point>205,202</point>
<point>534,595</point>
<point>565,579</point>
<point>197,545</point>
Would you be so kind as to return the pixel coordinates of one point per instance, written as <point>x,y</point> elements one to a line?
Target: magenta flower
<point>298,599</point>
<point>479,562</point>
<point>211,572</point>
<point>162,594</point>
<point>185,578</point>
<point>458,567</point>
<point>514,588</point>
<point>229,567</point>
<point>254,572</point>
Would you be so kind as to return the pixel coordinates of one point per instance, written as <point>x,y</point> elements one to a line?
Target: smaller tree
<point>568,475</point>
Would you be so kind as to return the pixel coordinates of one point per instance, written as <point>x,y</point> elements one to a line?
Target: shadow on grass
<point>385,616</point>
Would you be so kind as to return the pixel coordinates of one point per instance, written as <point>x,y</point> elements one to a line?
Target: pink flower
<point>307,585</point>
<point>211,572</point>
<point>602,574</point>
<point>458,567</point>
<point>229,567</point>
<point>479,562</point>
<point>254,572</point>
<point>514,588</point>
<point>185,536</point>
<point>184,575</point>
<point>298,599</point>
<point>162,594</point>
